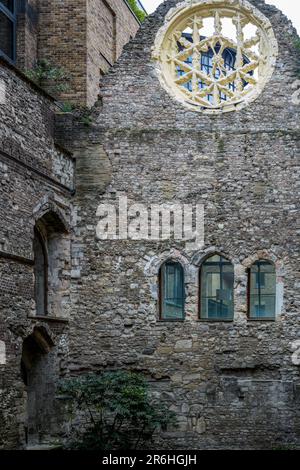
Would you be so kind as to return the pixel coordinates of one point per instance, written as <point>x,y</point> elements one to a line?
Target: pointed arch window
<point>40,273</point>
<point>51,248</point>
<point>262,290</point>
<point>171,287</point>
<point>216,289</point>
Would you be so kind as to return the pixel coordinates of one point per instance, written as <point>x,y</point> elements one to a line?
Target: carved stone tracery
<point>181,45</point>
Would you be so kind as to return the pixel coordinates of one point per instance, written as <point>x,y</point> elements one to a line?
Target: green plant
<point>67,107</point>
<point>85,116</point>
<point>140,14</point>
<point>86,120</point>
<point>54,79</point>
<point>119,411</point>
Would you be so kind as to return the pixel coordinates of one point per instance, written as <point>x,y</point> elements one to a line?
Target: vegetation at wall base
<point>117,411</point>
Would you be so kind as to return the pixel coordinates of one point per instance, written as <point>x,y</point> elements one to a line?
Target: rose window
<point>215,55</point>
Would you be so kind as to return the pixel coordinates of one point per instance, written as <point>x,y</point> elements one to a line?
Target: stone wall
<point>37,179</point>
<point>111,24</point>
<point>235,384</point>
<point>232,384</point>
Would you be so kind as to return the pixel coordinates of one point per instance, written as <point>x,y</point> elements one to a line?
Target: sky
<point>291,8</point>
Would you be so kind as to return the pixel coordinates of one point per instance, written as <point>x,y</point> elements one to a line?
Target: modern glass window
<point>216,289</point>
<point>8,29</point>
<point>262,290</point>
<point>172,294</point>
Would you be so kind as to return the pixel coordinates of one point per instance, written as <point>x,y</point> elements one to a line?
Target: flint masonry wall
<point>37,177</point>
<point>233,385</point>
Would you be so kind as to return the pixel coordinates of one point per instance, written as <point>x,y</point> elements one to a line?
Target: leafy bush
<point>140,14</point>
<point>53,79</point>
<point>118,410</point>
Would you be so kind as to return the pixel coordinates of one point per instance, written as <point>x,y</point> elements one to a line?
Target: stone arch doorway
<point>37,371</point>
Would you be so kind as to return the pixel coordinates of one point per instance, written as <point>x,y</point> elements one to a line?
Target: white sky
<point>291,8</point>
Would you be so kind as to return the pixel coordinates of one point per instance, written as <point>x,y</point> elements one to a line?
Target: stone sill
<point>199,320</point>
<point>262,319</point>
<point>207,320</point>
<point>171,321</point>
<point>48,318</point>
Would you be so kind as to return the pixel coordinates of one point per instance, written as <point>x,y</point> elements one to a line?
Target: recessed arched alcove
<point>51,249</point>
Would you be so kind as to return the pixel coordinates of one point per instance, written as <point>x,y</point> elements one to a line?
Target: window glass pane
<point>217,277</point>
<point>172,292</point>
<point>262,280</point>
<point>6,35</point>
<point>9,4</point>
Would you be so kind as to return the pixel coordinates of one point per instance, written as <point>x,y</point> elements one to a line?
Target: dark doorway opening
<point>37,371</point>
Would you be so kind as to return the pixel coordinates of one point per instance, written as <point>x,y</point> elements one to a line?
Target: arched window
<point>216,289</point>
<point>40,273</point>
<point>51,247</point>
<point>262,290</point>
<point>172,294</point>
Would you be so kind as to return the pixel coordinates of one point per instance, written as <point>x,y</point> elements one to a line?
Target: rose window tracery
<point>215,55</point>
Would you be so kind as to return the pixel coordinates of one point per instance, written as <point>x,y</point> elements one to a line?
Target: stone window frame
<point>265,255</point>
<point>61,231</point>
<point>270,318</point>
<point>204,258</point>
<point>151,271</point>
<point>161,295</point>
<point>191,266</point>
<point>163,52</point>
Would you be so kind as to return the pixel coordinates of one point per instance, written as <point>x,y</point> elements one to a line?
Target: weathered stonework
<point>248,62</point>
<point>37,182</point>
<point>233,385</point>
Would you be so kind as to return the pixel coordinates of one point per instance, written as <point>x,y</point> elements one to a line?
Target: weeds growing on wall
<point>53,79</point>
